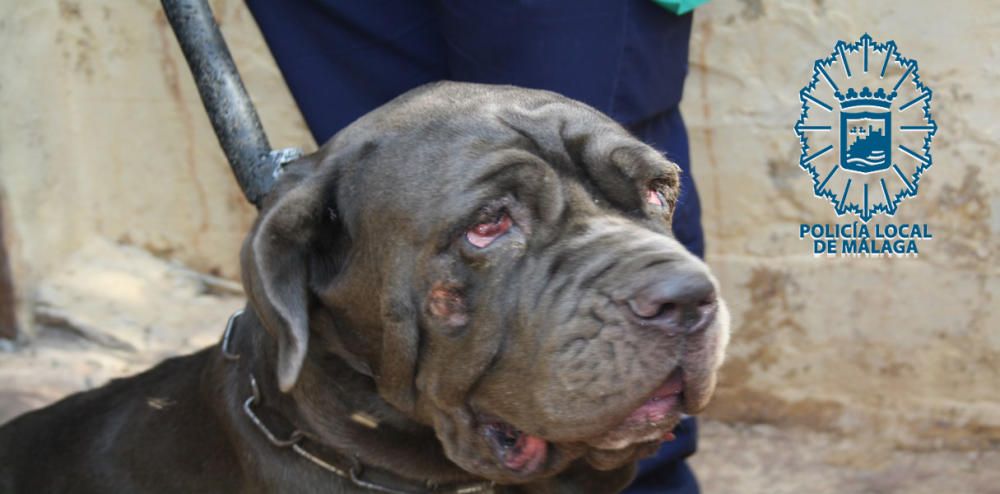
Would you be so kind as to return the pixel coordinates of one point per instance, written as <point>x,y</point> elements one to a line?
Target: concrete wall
<point>908,348</point>
<point>102,134</point>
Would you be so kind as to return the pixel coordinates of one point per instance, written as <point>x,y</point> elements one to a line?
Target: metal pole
<point>229,107</point>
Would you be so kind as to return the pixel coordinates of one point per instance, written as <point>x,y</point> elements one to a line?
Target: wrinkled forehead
<point>436,155</point>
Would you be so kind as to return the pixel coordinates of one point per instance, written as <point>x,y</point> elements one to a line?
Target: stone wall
<point>103,135</point>
<point>906,347</point>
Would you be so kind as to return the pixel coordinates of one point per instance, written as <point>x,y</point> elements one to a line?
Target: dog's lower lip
<point>651,420</point>
<point>670,391</point>
<point>655,409</point>
<point>518,451</point>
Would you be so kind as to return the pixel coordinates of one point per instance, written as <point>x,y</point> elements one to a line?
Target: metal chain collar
<point>355,471</point>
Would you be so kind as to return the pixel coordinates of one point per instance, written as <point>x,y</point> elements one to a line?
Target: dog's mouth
<point>651,423</point>
<point>516,450</point>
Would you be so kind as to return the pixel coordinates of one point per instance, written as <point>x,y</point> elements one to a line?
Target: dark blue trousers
<point>627,58</point>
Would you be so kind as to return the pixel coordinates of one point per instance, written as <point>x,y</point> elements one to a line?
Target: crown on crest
<point>866,98</point>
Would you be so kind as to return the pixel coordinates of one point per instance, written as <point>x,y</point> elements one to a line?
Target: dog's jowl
<point>471,289</point>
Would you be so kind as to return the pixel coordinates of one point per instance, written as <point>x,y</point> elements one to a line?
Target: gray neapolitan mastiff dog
<point>471,289</point>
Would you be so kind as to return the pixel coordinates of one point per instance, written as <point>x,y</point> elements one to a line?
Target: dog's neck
<point>335,406</point>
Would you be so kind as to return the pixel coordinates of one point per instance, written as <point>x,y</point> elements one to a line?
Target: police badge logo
<point>865,128</point>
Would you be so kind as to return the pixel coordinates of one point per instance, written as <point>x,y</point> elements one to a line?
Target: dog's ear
<point>275,265</point>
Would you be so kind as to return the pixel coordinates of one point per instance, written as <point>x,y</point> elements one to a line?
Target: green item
<point>679,7</point>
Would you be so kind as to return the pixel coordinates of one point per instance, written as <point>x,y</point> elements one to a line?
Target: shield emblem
<point>865,141</point>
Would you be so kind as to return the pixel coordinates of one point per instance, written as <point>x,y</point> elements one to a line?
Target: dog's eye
<point>483,234</point>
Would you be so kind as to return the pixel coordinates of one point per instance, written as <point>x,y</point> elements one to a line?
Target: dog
<point>473,288</point>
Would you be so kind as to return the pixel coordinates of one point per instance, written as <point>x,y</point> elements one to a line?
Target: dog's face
<point>500,260</point>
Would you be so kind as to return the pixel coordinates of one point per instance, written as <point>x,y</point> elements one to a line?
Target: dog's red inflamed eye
<point>654,197</point>
<point>484,234</point>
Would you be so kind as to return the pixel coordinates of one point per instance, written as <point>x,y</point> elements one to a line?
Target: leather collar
<point>342,465</point>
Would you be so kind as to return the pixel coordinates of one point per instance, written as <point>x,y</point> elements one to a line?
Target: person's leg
<point>343,59</point>
<point>626,58</point>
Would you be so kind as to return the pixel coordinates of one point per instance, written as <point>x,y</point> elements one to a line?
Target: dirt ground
<point>116,310</point>
<point>742,458</point>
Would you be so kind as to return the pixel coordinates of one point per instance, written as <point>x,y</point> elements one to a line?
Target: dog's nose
<point>678,304</point>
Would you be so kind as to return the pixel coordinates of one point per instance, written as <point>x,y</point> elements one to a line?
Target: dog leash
<point>355,473</point>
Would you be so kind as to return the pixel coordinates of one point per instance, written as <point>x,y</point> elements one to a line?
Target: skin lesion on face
<point>446,303</point>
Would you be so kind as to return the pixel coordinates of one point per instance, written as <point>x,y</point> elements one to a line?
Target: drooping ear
<point>275,265</point>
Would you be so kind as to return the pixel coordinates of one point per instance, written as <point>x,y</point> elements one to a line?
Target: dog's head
<point>500,260</point>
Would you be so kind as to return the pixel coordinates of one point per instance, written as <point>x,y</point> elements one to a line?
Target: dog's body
<point>464,259</point>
